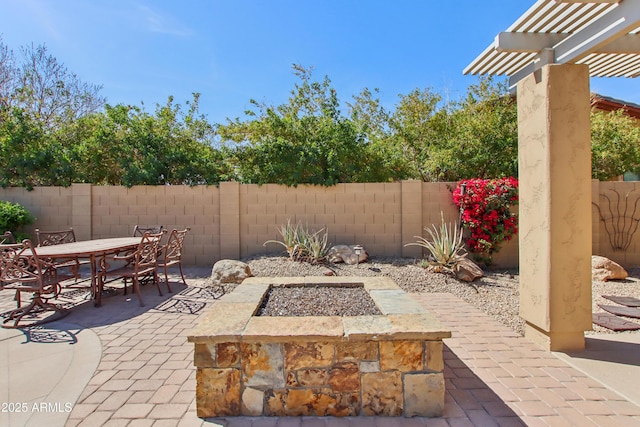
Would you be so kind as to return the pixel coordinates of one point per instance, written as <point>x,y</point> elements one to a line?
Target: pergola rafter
<point>604,34</point>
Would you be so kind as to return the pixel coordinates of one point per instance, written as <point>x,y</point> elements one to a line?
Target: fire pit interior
<point>320,300</point>
<point>387,362</point>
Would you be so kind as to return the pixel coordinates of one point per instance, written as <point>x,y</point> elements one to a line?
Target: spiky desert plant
<point>445,247</point>
<point>314,245</point>
<point>290,239</point>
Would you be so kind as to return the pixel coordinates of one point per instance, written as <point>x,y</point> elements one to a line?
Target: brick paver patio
<point>493,377</point>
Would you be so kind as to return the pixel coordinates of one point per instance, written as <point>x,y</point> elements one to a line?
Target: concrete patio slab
<point>612,359</point>
<point>145,373</point>
<point>45,369</point>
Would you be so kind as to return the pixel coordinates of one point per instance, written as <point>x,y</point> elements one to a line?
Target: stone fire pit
<point>388,365</point>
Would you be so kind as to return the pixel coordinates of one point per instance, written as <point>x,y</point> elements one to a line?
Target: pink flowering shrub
<point>485,210</point>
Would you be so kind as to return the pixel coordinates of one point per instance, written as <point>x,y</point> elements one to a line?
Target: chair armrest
<point>126,257</point>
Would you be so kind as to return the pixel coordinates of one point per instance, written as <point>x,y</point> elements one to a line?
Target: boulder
<point>229,271</point>
<point>603,269</point>
<point>347,254</point>
<point>467,270</point>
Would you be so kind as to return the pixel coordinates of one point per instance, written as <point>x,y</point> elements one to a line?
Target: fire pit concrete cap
<point>232,318</point>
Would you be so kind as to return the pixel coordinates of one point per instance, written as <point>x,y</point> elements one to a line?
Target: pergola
<point>603,34</point>
<point>549,53</point>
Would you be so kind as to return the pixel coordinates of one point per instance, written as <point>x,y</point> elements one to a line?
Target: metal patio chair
<point>138,264</point>
<point>7,238</point>
<point>138,231</point>
<point>171,254</point>
<point>23,271</point>
<point>50,238</point>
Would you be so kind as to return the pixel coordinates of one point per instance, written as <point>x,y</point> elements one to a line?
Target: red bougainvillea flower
<point>486,212</point>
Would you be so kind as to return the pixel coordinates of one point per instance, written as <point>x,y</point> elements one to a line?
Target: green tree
<point>483,140</point>
<point>305,141</point>
<point>413,131</point>
<point>373,121</point>
<point>615,144</point>
<point>475,137</point>
<point>39,97</point>
<point>127,146</point>
<point>28,155</point>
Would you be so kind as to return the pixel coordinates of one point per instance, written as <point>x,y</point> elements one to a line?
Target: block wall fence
<point>234,220</point>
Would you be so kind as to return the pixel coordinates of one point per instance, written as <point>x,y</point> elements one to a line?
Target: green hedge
<point>13,217</point>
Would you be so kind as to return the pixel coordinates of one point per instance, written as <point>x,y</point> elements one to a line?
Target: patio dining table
<point>96,250</point>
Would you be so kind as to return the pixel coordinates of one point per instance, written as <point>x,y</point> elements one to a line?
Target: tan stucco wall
<point>234,220</point>
<point>385,215</point>
<point>619,204</point>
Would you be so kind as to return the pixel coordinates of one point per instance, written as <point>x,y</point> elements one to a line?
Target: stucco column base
<point>555,341</point>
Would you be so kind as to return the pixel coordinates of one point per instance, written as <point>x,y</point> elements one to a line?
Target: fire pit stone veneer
<point>387,365</point>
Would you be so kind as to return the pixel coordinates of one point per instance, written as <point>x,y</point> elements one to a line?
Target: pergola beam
<point>527,42</point>
<point>622,19</point>
<point>590,1</point>
<point>536,42</point>
<point>577,31</point>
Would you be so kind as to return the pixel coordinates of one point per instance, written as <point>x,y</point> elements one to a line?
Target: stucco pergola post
<point>554,156</point>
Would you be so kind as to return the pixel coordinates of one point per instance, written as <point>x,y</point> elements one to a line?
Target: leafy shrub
<point>13,217</point>
<point>485,208</point>
<point>445,248</point>
<point>301,243</point>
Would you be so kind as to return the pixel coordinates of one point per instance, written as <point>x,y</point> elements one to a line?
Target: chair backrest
<point>7,238</point>
<point>20,263</point>
<point>139,231</point>
<point>146,256</point>
<point>51,238</point>
<point>175,243</point>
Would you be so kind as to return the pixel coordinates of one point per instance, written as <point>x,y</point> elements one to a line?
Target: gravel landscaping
<point>496,293</point>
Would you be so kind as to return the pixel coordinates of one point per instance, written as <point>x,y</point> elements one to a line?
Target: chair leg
<point>166,278</point>
<point>156,280</point>
<point>16,315</point>
<point>136,289</point>
<point>182,274</point>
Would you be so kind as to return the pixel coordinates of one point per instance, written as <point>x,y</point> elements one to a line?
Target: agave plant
<point>290,239</point>
<point>445,247</point>
<point>302,244</point>
<point>314,245</point>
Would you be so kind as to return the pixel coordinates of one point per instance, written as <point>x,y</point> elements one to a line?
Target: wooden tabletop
<point>87,248</point>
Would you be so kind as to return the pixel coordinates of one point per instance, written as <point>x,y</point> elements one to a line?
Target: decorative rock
<point>467,270</point>
<point>301,355</point>
<point>229,271</point>
<point>228,355</point>
<point>312,377</point>
<point>382,394</point>
<point>347,254</point>
<point>262,364</point>
<point>218,392</point>
<point>345,377</point>
<point>603,269</point>
<point>311,402</point>
<point>205,355</point>
<point>424,395</point>
<point>404,356</point>
<point>252,402</point>
<point>433,358</point>
<point>367,350</point>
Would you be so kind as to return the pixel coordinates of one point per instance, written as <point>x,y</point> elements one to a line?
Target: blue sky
<point>234,50</point>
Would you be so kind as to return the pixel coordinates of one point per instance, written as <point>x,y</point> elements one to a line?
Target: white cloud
<point>157,22</point>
